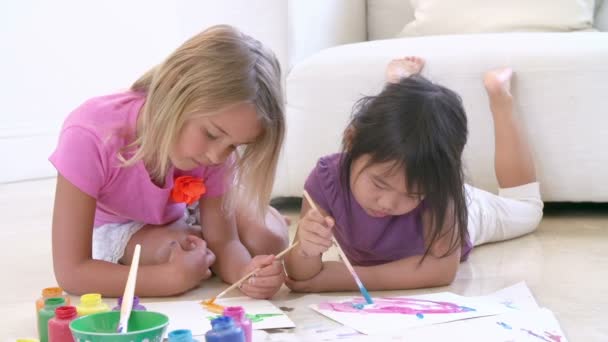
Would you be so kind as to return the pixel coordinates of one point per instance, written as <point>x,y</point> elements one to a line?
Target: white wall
<point>56,54</point>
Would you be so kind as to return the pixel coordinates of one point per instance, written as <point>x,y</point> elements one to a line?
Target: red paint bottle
<point>59,326</point>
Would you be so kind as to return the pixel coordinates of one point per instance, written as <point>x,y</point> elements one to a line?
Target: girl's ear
<point>349,136</point>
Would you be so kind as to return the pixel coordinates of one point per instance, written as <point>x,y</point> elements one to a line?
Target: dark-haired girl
<point>395,197</point>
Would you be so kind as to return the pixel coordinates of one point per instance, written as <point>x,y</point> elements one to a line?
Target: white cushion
<point>435,17</point>
<point>386,18</point>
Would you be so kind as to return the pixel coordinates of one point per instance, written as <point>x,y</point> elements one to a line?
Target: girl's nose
<point>218,154</point>
<point>213,157</point>
<point>387,203</point>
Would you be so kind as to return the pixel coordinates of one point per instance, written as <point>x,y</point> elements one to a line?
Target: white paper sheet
<point>191,315</point>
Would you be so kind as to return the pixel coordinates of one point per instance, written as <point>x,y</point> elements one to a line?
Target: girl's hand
<point>189,262</point>
<point>267,280</point>
<point>314,233</point>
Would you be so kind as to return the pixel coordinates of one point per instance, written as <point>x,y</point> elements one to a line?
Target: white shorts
<point>110,240</point>
<point>513,212</point>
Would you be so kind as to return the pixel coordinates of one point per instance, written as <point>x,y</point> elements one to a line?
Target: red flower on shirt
<point>187,189</point>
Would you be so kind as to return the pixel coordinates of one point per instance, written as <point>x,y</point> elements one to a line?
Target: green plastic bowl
<point>144,326</point>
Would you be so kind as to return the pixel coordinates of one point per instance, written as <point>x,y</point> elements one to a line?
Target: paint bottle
<point>51,292</point>
<point>59,326</point>
<point>91,303</point>
<point>181,335</point>
<point>240,319</point>
<point>224,330</point>
<point>136,305</point>
<point>27,340</point>
<point>45,314</point>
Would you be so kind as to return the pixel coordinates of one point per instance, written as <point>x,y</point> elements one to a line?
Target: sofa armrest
<point>314,25</point>
<point>601,16</point>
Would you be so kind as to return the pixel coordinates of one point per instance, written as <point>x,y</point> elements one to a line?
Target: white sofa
<point>338,50</point>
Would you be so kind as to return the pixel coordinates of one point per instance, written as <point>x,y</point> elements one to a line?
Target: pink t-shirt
<point>87,156</point>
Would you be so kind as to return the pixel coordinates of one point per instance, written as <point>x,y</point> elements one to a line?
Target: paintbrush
<point>210,302</point>
<point>350,268</point>
<point>127,297</point>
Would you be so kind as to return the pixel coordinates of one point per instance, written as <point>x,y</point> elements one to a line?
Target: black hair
<point>421,127</point>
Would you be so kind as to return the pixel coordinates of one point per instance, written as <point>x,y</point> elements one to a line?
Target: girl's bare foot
<point>498,86</point>
<point>403,67</point>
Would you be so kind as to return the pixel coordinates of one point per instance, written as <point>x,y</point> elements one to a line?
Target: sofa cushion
<point>434,17</point>
<point>386,18</point>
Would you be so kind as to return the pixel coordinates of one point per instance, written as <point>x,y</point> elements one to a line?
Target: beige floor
<point>565,263</point>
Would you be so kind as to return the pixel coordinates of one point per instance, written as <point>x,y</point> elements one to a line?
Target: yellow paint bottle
<point>91,303</point>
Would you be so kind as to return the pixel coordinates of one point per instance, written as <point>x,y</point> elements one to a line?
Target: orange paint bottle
<point>51,292</point>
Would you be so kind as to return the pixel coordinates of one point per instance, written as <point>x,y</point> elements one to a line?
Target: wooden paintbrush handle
<point>240,281</point>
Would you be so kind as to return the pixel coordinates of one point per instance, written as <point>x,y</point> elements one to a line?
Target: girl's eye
<point>210,136</point>
<point>378,186</point>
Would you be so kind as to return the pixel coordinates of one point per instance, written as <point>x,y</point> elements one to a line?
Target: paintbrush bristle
<point>215,308</point>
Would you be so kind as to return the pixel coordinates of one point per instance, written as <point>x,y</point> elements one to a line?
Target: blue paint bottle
<point>224,330</point>
<point>181,335</point>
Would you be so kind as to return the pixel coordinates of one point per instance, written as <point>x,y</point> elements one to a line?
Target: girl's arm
<point>78,273</point>
<point>233,260</point>
<point>221,234</point>
<point>406,273</point>
<point>303,265</point>
<point>397,275</point>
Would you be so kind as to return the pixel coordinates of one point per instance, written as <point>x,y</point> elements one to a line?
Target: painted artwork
<point>192,315</point>
<point>522,319</point>
<point>390,315</point>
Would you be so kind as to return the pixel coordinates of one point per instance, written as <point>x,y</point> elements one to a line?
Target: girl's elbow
<point>439,280</point>
<point>448,275</point>
<point>69,284</point>
<point>447,278</point>
<point>68,279</point>
<point>443,276</point>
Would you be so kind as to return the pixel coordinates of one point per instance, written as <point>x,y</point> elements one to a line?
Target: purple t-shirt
<point>366,240</point>
<point>87,156</point>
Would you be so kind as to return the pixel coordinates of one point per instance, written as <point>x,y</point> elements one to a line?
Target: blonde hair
<point>216,68</point>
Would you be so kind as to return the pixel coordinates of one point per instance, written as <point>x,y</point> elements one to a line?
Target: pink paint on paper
<point>554,338</point>
<point>404,306</point>
<point>549,337</point>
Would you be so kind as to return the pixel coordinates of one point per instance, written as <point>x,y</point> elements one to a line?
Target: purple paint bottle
<point>224,330</point>
<point>136,305</point>
<point>181,335</point>
<point>238,315</point>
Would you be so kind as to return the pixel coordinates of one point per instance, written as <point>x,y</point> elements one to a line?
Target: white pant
<point>513,212</point>
<point>110,240</point>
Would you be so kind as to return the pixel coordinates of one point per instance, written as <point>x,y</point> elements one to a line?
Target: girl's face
<point>381,189</point>
<point>208,140</point>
